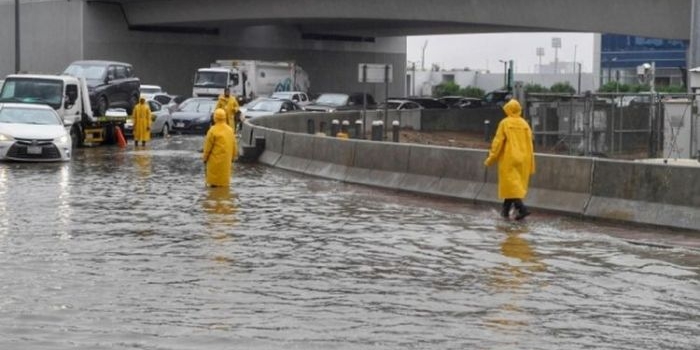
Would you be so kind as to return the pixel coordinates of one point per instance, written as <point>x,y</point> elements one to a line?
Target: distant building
<point>621,54</point>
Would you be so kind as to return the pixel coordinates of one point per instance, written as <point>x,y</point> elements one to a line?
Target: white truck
<point>248,79</point>
<point>69,96</point>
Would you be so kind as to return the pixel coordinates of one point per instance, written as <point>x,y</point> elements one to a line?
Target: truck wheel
<point>77,137</point>
<point>133,100</point>
<point>102,104</point>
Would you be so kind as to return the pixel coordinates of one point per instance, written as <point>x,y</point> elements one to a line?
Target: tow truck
<point>69,96</point>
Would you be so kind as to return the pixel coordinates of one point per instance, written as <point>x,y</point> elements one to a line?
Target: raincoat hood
<point>219,116</point>
<point>513,108</point>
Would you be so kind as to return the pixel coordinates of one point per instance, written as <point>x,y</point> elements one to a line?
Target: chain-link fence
<point>630,126</point>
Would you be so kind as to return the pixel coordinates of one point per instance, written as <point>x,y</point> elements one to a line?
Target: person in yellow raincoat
<point>513,150</point>
<point>229,104</point>
<point>142,122</point>
<point>220,150</point>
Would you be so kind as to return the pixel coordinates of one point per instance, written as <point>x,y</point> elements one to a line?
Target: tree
<point>562,88</point>
<point>535,88</point>
<point>445,89</point>
<point>471,91</point>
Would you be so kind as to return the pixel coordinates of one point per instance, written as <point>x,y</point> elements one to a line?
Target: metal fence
<point>628,126</point>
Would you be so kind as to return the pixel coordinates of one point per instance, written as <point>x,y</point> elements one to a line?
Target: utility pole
<point>505,73</point>
<point>17,65</point>
<point>422,59</point>
<point>556,45</point>
<point>540,53</point>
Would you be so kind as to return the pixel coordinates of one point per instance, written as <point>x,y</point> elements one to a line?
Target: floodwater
<point>126,249</point>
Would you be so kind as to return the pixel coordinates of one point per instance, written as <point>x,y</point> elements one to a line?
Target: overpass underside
<point>167,40</point>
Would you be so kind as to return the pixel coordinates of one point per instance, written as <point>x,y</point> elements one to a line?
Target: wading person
<point>512,149</point>
<point>142,122</point>
<point>229,104</point>
<point>220,150</point>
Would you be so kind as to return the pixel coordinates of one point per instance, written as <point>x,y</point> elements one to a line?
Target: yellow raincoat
<point>142,121</point>
<point>230,105</point>
<point>220,150</point>
<point>512,149</point>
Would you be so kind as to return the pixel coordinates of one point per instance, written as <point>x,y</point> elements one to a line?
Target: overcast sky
<point>482,51</point>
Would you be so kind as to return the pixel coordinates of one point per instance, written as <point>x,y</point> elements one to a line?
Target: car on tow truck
<point>32,132</point>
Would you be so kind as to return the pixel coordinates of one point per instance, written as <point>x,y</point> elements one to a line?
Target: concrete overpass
<point>167,40</point>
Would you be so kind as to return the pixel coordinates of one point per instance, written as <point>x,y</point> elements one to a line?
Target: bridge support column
<point>694,49</point>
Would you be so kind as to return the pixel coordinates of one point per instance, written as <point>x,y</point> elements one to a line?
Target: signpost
<point>374,73</point>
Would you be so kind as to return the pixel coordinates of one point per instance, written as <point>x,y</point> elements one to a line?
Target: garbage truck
<point>248,79</point>
<point>69,96</point>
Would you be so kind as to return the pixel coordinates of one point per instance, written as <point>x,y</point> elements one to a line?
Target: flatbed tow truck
<point>69,96</point>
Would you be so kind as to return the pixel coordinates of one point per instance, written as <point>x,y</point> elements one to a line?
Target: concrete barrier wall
<point>655,194</point>
<point>648,193</point>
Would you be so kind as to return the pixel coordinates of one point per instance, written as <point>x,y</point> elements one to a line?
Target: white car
<point>32,132</point>
<point>270,106</point>
<point>149,91</point>
<point>298,97</point>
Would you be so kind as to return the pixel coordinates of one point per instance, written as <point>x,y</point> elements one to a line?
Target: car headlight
<point>331,110</point>
<point>62,139</point>
<point>4,137</point>
<point>203,119</point>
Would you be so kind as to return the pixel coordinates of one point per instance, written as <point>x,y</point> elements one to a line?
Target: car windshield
<point>332,99</point>
<point>389,105</point>
<point>149,89</point>
<point>12,115</point>
<point>282,95</point>
<point>46,91</point>
<point>211,79</point>
<point>198,106</point>
<point>87,71</point>
<point>267,106</point>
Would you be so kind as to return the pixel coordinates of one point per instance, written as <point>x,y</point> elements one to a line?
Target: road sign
<point>375,73</point>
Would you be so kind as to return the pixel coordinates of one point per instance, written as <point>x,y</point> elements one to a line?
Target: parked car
<point>150,91</point>
<point>110,84</point>
<point>298,97</point>
<point>32,132</point>
<point>497,98</point>
<point>461,102</point>
<point>331,102</point>
<point>399,105</point>
<point>427,102</point>
<point>193,116</point>
<point>161,120</point>
<point>270,106</point>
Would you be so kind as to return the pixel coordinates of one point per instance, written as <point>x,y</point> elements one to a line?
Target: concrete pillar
<point>694,49</point>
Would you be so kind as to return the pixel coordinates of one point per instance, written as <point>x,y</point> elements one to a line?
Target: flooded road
<point>126,249</point>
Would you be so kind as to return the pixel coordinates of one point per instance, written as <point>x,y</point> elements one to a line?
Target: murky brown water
<point>127,250</point>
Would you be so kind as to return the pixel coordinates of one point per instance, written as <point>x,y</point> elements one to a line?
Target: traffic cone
<point>121,141</point>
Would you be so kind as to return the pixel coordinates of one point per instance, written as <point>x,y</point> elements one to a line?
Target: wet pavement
<point>126,249</point>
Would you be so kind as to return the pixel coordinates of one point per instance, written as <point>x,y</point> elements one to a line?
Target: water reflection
<point>512,279</point>
<point>221,218</point>
<point>143,164</point>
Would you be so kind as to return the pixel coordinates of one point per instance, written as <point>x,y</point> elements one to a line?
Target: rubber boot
<point>522,210</point>
<point>505,212</point>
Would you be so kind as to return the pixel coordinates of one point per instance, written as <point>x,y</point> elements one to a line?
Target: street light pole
<point>17,65</point>
<point>505,72</point>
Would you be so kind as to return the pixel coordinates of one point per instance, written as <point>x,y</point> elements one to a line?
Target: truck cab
<point>211,82</point>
